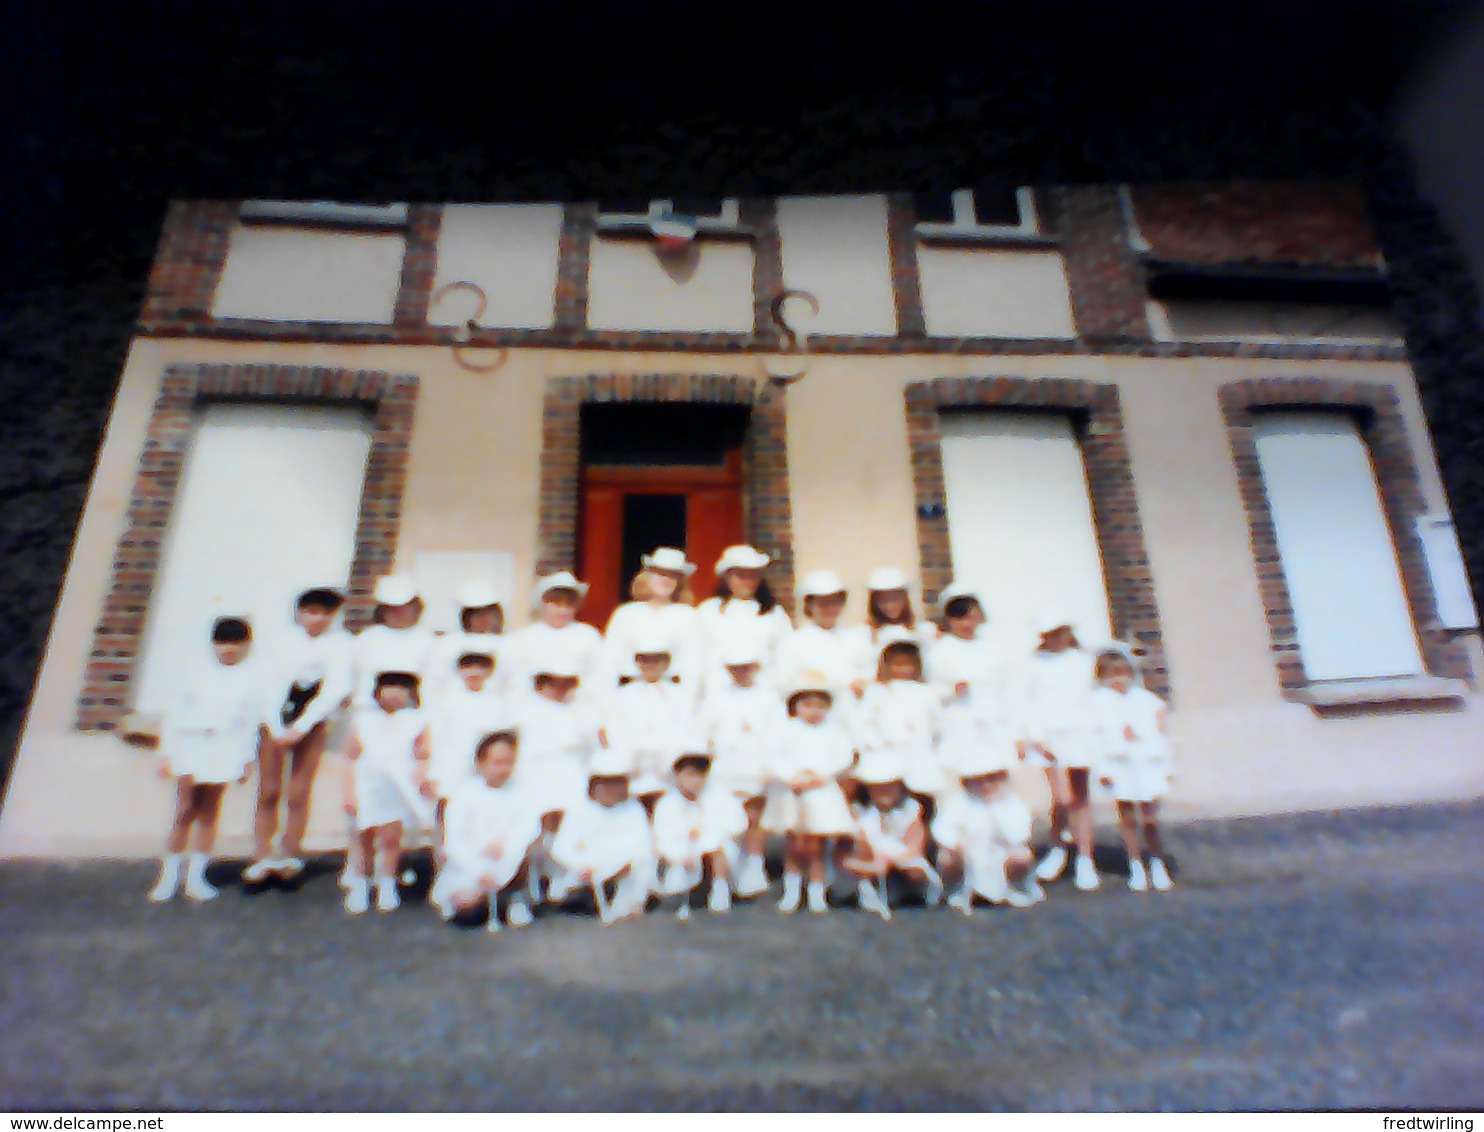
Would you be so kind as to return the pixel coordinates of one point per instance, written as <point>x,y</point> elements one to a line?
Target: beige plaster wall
<point>285,273</point>
<point>836,249</point>
<point>707,288</point>
<point>473,485</point>
<point>510,252</point>
<point>967,292</point>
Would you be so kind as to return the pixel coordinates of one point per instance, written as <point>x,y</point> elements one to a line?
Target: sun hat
<point>821,583</point>
<point>396,589</point>
<point>668,559</point>
<point>741,557</point>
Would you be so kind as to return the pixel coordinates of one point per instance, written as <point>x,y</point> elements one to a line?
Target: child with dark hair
<point>744,610</point>
<point>696,832</point>
<point>212,732</point>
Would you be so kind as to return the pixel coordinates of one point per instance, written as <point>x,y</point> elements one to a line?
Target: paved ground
<point>1316,962</point>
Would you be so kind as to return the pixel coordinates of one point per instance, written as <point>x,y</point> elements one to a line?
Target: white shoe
<point>793,893</point>
<point>349,874</point>
<point>720,899</point>
<point>818,902</point>
<point>518,914</point>
<point>683,914</point>
<point>287,867</point>
<point>1026,894</point>
<point>196,886</point>
<point>387,897</point>
<point>1138,881</point>
<point>1052,864</point>
<point>1086,875</point>
<point>169,881</point>
<point>408,878</point>
<point>868,899</point>
<point>1159,876</point>
<point>259,871</point>
<point>494,927</point>
<point>357,895</point>
<point>934,891</point>
<point>752,878</point>
<point>962,901</point>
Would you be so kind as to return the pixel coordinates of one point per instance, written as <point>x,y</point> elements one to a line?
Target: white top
<point>899,713</point>
<point>1058,686</point>
<point>382,649</point>
<point>578,644</point>
<point>741,721</point>
<point>1137,709</point>
<point>295,657</point>
<point>552,730</point>
<point>478,815</point>
<point>610,835</point>
<point>460,718</point>
<point>993,676</point>
<point>636,623</point>
<point>886,831</point>
<point>835,652</point>
<point>211,726</point>
<point>823,749</point>
<point>387,738</point>
<point>444,661</point>
<point>684,829</point>
<point>650,722</point>
<point>969,824</point>
<point>739,620</point>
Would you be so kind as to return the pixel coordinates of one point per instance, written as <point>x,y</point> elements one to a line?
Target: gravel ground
<point>1328,961</point>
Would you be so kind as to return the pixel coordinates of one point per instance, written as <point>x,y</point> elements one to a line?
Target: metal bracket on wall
<point>463,334</point>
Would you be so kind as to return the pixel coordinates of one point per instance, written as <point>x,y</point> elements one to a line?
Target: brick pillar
<point>1107,280</point>
<point>419,264</point>
<point>188,262</point>
<point>574,250</point>
<point>767,265</point>
<point>906,284</point>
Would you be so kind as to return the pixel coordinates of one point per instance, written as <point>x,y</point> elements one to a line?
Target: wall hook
<point>463,334</point>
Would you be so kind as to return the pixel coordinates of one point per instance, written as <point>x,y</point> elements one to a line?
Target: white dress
<point>381,649</point>
<point>996,678</point>
<point>635,624</point>
<point>1140,768</point>
<point>686,831</point>
<point>984,834</point>
<point>1059,686</point>
<point>308,678</point>
<point>649,723</point>
<point>477,816</point>
<point>723,623</point>
<point>556,742</point>
<point>823,749</point>
<point>900,717</point>
<point>578,646</point>
<point>744,726</point>
<point>460,719</point>
<point>972,733</point>
<point>885,831</point>
<point>603,840</point>
<point>386,789</point>
<point>213,723</point>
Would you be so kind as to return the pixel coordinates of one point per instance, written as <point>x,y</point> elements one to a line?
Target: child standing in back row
<point>211,737</point>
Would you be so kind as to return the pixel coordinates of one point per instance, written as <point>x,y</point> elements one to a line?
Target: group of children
<point>559,765</point>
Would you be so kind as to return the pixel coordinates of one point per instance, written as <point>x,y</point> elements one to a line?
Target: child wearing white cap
<point>556,629</point>
<point>807,803</point>
<point>461,714</point>
<point>648,717</point>
<point>395,641</point>
<point>211,736</point>
<point>822,644</point>
<point>696,830</point>
<point>311,672</point>
<point>743,722</point>
<point>898,714</point>
<point>660,611</point>
<point>983,834</point>
<point>606,845</point>
<point>1059,729</point>
<point>891,838</point>
<point>744,609</point>
<point>889,610</point>
<point>965,665</point>
<point>386,786</point>
<point>490,827</point>
<point>1134,759</point>
<point>481,630</point>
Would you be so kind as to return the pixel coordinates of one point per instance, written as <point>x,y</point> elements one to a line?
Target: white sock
<point>196,866</point>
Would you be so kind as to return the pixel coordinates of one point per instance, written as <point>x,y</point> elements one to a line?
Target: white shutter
<point>267,508</point>
<point>1020,522</point>
<point>1349,608</point>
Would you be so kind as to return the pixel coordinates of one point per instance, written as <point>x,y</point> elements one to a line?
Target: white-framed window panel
<point>1020,522</point>
<point>985,213</point>
<point>1350,610</point>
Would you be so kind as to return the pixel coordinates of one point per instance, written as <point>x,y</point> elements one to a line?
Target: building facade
<point>1181,413</point>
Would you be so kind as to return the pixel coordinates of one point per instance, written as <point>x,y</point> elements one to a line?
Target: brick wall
<point>188,262</point>
<point>1378,411</point>
<point>1110,481</point>
<point>1103,269</point>
<point>765,460</point>
<point>107,691</point>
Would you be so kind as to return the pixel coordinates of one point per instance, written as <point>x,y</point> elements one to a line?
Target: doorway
<point>656,474</point>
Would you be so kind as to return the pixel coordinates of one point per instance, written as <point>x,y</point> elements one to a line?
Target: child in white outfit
<point>661,611</point>
<point>695,832</point>
<point>1135,762</point>
<point>807,803</point>
<point>605,846</point>
<point>891,839</point>
<point>743,613</point>
<point>557,632</point>
<point>386,787</point>
<point>211,736</point>
<point>983,834</point>
<point>489,828</point>
<point>648,717</point>
<point>899,714</point>
<point>462,714</point>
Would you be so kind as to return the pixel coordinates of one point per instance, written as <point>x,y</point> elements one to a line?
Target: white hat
<point>990,758</point>
<point>610,762</point>
<point>955,590</point>
<point>396,589</point>
<point>478,644</point>
<point>561,580</point>
<point>478,595</point>
<point>669,559</point>
<point>877,768</point>
<point>739,650</point>
<point>810,680</point>
<point>1049,620</point>
<point>886,578</point>
<point>821,583</point>
<point>741,558</point>
<point>554,660</point>
<point>890,635</point>
<point>653,644</point>
<point>695,744</point>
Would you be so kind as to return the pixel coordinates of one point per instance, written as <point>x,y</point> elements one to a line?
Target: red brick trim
<point>761,218</point>
<point>1106,278</point>
<point>188,262</point>
<point>419,265</point>
<point>1099,417</point>
<point>1377,410</point>
<point>906,282</point>
<point>574,253</point>
<point>765,460</point>
<point>107,689</point>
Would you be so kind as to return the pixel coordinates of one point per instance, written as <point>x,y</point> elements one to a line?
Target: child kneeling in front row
<point>697,830</point>
<point>489,828</point>
<point>891,841</point>
<point>605,846</point>
<point>983,835</point>
<point>211,737</point>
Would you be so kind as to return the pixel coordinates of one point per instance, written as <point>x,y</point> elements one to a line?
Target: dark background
<point>112,112</point>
